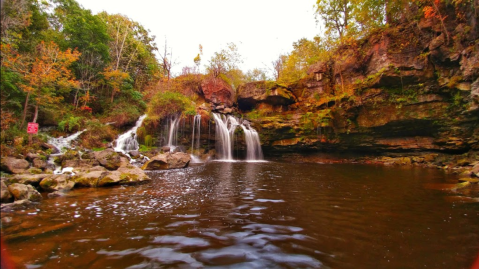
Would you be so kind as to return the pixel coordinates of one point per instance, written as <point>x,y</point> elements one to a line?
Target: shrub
<point>97,134</point>
<point>169,103</point>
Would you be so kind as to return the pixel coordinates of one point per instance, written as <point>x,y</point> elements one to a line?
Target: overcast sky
<point>261,29</point>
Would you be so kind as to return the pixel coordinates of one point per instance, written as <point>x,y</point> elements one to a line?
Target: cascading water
<point>225,128</point>
<point>173,131</point>
<point>128,141</point>
<point>253,144</point>
<point>61,142</point>
<point>197,129</point>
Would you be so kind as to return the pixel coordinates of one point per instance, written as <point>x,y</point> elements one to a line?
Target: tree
<point>197,59</point>
<point>88,34</point>
<point>294,66</point>
<point>46,76</point>
<point>336,15</point>
<point>131,51</point>
<point>15,15</point>
<point>255,75</point>
<point>278,66</point>
<point>224,61</point>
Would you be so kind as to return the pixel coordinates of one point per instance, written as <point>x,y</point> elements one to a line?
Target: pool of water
<point>255,215</point>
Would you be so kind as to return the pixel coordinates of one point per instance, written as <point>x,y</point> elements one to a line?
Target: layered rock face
<point>403,90</point>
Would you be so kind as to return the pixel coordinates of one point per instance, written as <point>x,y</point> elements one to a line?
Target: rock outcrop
<point>168,161</point>
<point>14,165</point>
<point>264,94</point>
<point>218,92</point>
<point>402,90</point>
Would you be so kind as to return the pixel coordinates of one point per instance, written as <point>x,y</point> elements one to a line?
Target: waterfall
<point>225,128</point>
<point>173,131</point>
<point>61,142</point>
<point>253,144</point>
<point>128,141</point>
<point>197,128</point>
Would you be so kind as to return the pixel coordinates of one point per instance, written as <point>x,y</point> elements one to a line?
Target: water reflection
<point>254,215</point>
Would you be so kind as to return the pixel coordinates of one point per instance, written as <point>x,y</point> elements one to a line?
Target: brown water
<point>255,215</point>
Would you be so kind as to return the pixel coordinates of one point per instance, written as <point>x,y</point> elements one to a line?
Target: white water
<point>225,128</point>
<point>197,129</point>
<point>173,132</point>
<point>128,141</point>
<point>64,142</point>
<point>253,144</point>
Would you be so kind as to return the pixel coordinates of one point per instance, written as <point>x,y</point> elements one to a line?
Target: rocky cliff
<point>403,89</point>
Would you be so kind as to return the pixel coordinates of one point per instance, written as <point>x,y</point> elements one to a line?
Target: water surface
<point>256,215</point>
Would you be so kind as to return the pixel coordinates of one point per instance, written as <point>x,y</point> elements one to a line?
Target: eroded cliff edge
<point>402,89</point>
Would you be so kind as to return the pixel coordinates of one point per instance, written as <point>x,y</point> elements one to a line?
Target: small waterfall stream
<point>173,131</point>
<point>196,139</point>
<point>64,142</point>
<point>128,140</point>
<point>225,128</point>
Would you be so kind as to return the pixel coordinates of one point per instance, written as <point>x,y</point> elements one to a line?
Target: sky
<point>261,29</point>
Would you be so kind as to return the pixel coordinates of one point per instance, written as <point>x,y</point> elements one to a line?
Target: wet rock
<point>24,192</point>
<point>56,194</point>
<point>28,179</point>
<point>19,204</point>
<point>89,179</point>
<point>132,175</point>
<point>109,178</point>
<point>5,195</point>
<point>81,165</point>
<point>14,165</point>
<point>32,156</point>
<point>39,163</point>
<point>57,183</point>
<point>134,154</point>
<point>51,147</point>
<point>125,175</point>
<point>109,159</point>
<point>168,161</point>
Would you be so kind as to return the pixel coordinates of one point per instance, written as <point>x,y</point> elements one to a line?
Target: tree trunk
<point>25,109</point>
<point>36,114</point>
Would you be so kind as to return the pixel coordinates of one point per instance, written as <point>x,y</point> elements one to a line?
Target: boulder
<point>28,179</point>
<point>109,178</point>
<point>5,195</point>
<point>19,204</point>
<point>81,165</point>
<point>51,147</point>
<point>39,163</point>
<point>24,192</point>
<point>57,183</point>
<point>134,154</point>
<point>123,176</point>
<point>109,159</point>
<point>266,92</point>
<point>217,91</point>
<point>89,179</point>
<point>13,165</point>
<point>168,161</point>
<point>132,175</point>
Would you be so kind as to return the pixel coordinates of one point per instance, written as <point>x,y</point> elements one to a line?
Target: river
<point>255,215</point>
